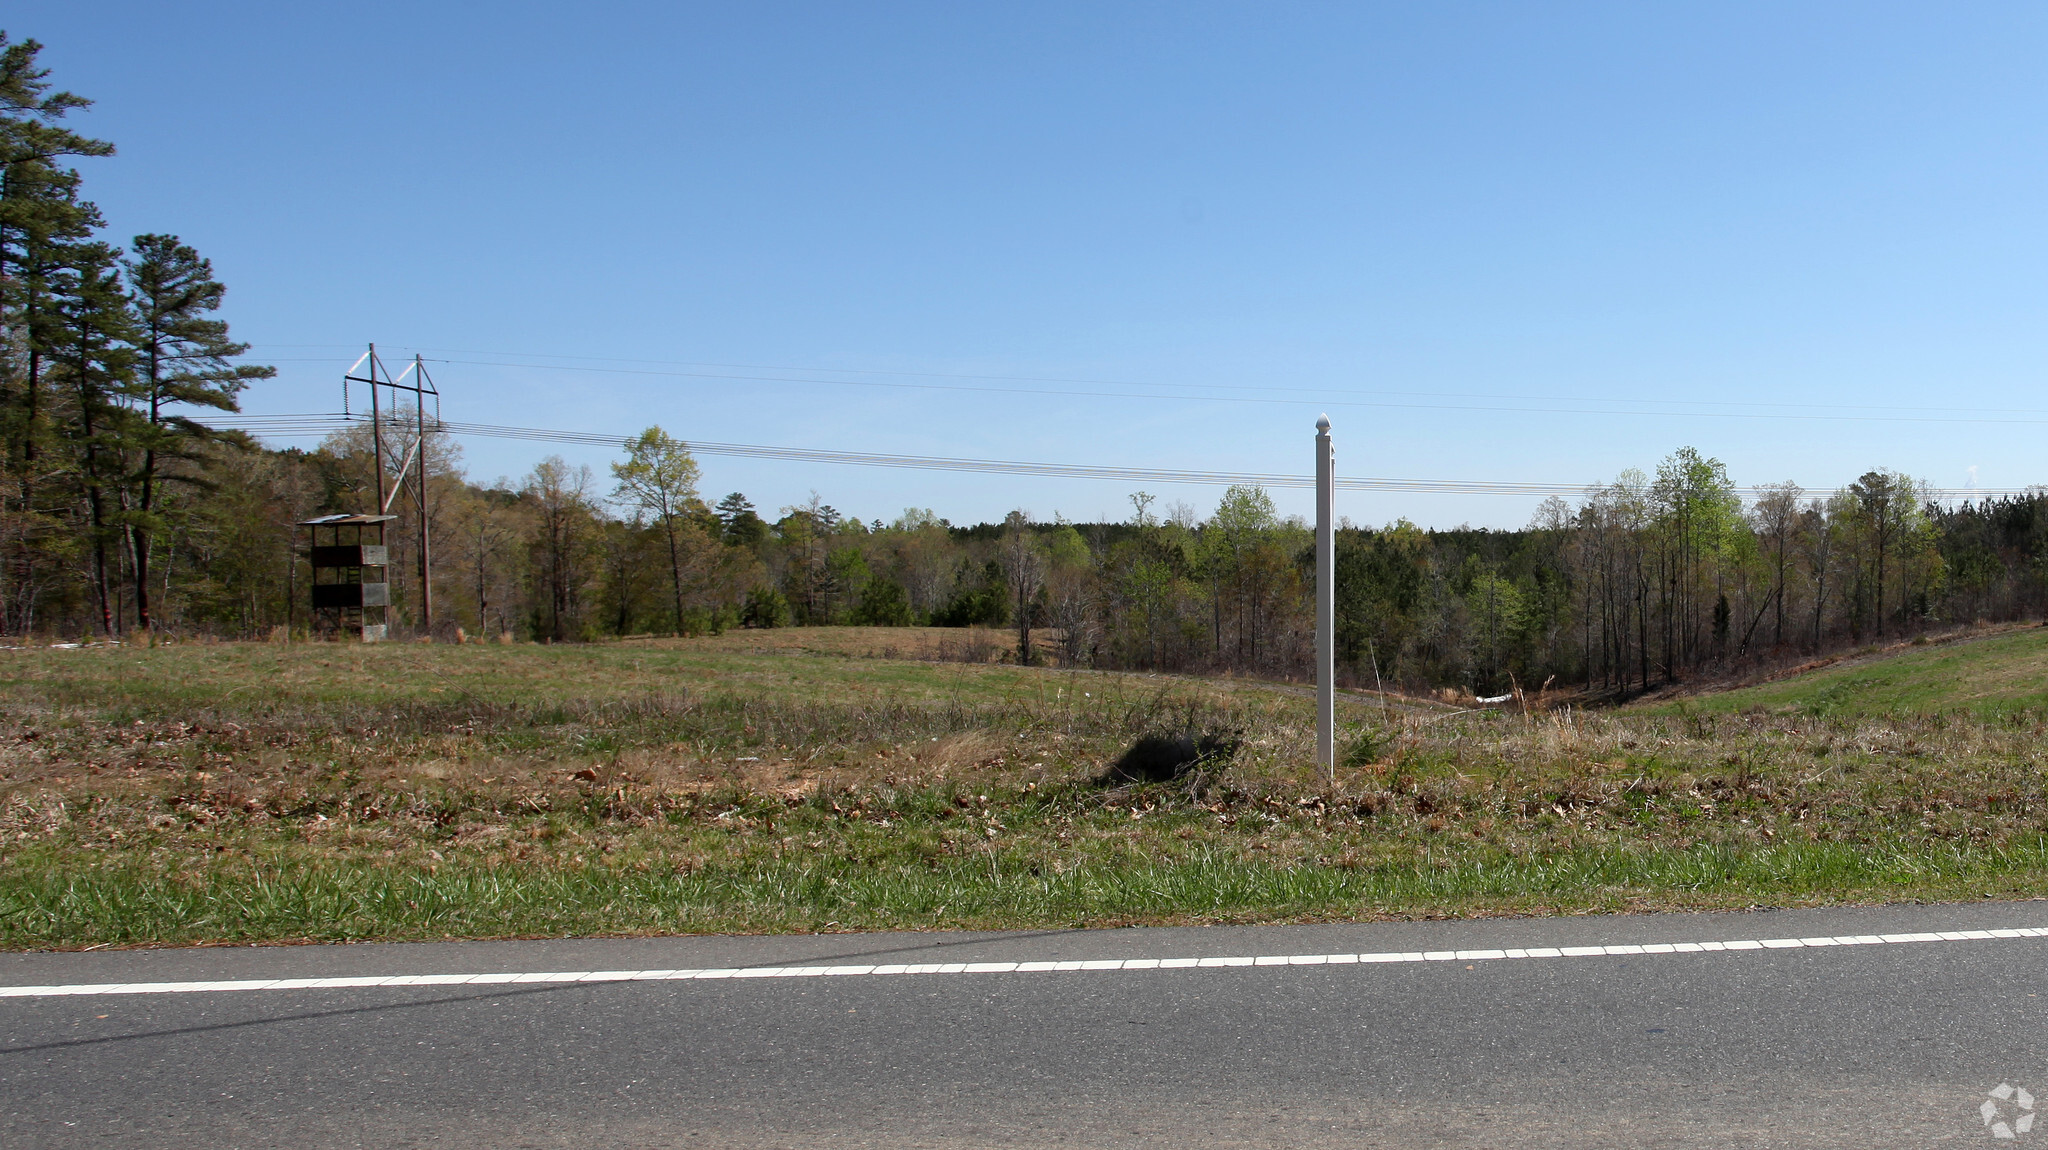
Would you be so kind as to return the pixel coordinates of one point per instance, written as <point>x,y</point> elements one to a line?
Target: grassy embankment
<point>783,782</point>
<point>1991,677</point>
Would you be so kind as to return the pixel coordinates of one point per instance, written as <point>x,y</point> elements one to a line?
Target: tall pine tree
<point>94,368</point>
<point>182,359</point>
<point>43,222</point>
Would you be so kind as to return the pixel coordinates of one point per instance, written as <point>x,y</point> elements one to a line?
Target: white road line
<point>1102,964</point>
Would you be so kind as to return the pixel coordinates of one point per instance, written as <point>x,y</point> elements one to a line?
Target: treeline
<point>1643,581</point>
<point>105,356</point>
<point>1653,578</point>
<point>566,554</point>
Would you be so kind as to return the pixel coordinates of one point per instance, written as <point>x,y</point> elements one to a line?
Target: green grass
<point>1989,677</point>
<point>258,793</point>
<point>64,906</point>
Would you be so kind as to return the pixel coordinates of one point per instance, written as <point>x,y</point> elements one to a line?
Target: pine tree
<point>738,522</point>
<point>182,359</point>
<point>42,230</point>
<point>94,365</point>
<point>42,223</point>
<point>40,216</point>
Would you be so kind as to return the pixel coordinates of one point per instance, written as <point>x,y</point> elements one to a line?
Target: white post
<point>1326,600</point>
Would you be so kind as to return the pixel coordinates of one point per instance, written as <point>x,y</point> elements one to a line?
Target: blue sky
<point>1483,237</point>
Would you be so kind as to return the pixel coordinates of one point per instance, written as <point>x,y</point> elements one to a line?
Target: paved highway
<point>1431,1041</point>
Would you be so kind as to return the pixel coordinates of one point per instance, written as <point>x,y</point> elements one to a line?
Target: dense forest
<point>124,513</point>
<point>1652,578</point>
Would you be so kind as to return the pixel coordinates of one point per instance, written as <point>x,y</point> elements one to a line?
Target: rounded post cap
<point>1323,424</point>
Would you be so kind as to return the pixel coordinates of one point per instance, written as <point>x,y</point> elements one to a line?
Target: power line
<point>325,424</point>
<point>1313,394</point>
<point>1324,396</point>
<point>1316,399</point>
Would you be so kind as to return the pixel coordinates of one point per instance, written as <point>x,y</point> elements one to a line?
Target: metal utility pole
<point>419,395</point>
<point>1326,600</point>
<point>376,425</point>
<point>421,387</point>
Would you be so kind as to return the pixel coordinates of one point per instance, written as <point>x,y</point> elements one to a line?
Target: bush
<point>765,607</point>
<point>702,621</point>
<point>986,606</point>
<point>882,604</point>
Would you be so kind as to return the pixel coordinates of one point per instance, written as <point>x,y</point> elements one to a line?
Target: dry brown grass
<point>938,644</point>
<point>802,788</point>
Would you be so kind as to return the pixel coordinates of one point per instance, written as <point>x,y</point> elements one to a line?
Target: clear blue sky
<point>1614,208</point>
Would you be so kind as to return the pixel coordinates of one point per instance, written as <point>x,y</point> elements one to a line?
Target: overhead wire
<point>328,423</point>
<point>1304,402</point>
<point>1316,394</point>
<point>322,424</point>
<point>1485,403</point>
<point>1326,395</point>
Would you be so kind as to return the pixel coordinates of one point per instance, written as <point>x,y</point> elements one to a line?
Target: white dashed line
<point>1046,967</point>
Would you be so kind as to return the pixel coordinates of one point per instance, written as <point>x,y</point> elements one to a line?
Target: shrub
<point>882,604</point>
<point>765,607</point>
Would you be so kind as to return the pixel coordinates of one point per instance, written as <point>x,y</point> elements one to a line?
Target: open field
<point>747,782</point>
<point>1989,676</point>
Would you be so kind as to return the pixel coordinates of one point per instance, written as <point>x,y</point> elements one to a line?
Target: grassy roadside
<point>255,793</point>
<point>1987,676</point>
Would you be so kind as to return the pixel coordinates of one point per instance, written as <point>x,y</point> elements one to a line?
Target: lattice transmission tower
<point>387,416</point>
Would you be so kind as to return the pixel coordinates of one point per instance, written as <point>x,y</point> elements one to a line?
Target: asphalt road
<point>1880,1045</point>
